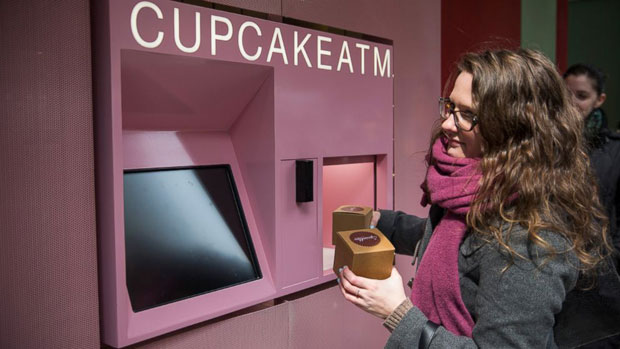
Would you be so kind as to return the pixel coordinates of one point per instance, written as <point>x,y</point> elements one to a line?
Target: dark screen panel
<point>185,235</point>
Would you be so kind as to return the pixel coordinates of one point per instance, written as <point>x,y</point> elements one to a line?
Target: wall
<point>538,26</point>
<point>475,25</point>
<point>48,264</point>
<point>48,261</point>
<point>414,28</point>
<point>593,32</point>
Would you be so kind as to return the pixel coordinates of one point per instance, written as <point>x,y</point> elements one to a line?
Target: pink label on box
<point>365,238</point>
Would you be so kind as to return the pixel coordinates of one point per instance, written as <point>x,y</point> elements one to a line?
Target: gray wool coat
<point>514,308</point>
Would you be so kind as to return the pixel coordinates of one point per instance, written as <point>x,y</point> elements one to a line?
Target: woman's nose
<point>448,124</point>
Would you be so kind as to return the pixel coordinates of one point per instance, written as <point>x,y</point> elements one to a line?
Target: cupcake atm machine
<point>223,142</point>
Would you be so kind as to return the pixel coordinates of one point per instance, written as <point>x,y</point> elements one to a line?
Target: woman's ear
<point>600,100</point>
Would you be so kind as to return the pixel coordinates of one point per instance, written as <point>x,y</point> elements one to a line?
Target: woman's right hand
<point>377,297</point>
<point>375,218</point>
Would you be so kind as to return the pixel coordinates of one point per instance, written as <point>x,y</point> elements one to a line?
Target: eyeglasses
<point>464,120</point>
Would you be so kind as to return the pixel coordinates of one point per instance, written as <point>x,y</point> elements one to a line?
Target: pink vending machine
<point>223,144</point>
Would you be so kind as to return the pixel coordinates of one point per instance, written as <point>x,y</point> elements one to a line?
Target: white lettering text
<point>177,35</point>
<point>277,35</point>
<point>240,41</point>
<point>134,24</point>
<point>299,47</point>
<point>214,36</point>
<point>320,52</point>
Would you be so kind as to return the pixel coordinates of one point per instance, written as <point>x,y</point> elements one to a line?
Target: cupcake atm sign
<point>193,31</point>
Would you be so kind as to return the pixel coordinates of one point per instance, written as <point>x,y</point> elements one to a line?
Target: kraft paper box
<point>350,217</point>
<point>367,252</point>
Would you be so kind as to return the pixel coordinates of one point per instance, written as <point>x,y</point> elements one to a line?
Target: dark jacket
<point>605,160</point>
<point>511,309</point>
<point>594,315</point>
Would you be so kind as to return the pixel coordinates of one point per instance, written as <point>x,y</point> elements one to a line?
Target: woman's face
<point>462,144</point>
<point>584,94</point>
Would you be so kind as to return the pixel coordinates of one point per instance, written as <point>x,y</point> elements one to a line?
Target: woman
<point>596,312</point>
<point>587,85</point>
<point>512,222</point>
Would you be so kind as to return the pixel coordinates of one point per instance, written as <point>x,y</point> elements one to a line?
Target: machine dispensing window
<point>185,234</point>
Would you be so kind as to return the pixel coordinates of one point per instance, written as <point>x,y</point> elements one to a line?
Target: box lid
<point>354,210</point>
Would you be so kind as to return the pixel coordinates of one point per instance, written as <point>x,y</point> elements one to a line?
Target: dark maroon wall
<point>474,24</point>
<point>48,260</point>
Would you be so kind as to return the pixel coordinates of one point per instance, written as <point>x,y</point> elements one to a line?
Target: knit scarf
<point>452,184</point>
<point>595,123</point>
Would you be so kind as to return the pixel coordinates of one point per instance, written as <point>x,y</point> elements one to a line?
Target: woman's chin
<point>455,152</point>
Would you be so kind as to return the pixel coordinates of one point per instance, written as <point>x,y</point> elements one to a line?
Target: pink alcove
<point>162,107</point>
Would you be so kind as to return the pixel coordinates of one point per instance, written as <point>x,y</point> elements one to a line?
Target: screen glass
<point>185,234</point>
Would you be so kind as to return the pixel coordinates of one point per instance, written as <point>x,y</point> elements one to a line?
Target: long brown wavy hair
<point>533,146</point>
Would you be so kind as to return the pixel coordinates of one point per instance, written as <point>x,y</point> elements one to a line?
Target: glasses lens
<point>463,122</point>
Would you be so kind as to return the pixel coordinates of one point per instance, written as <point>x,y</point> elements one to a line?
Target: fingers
<point>377,297</point>
<point>375,218</point>
<point>349,296</point>
<point>350,292</point>
<point>355,280</point>
<point>345,282</point>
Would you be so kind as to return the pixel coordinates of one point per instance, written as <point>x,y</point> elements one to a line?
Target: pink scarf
<point>452,184</point>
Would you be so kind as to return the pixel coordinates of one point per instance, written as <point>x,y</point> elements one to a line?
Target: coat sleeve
<point>403,230</point>
<point>514,308</point>
<point>615,225</point>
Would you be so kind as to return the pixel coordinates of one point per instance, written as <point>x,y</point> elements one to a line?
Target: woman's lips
<point>454,143</point>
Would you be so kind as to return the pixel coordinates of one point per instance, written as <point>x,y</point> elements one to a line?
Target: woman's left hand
<point>378,297</point>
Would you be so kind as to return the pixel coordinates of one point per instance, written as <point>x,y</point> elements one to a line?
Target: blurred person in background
<point>587,85</point>
<point>594,315</point>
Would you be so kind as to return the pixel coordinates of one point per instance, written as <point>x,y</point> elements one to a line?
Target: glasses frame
<point>453,111</point>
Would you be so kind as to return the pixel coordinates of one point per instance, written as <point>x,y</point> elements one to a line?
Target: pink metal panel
<point>362,16</point>
<point>383,180</point>
<point>350,113</point>
<point>415,29</point>
<point>345,184</point>
<point>300,258</point>
<point>253,136</point>
<point>327,320</point>
<point>171,92</point>
<point>220,107</point>
<point>144,149</point>
<point>273,7</point>
<point>265,328</point>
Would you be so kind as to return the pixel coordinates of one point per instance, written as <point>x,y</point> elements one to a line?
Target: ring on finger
<point>358,293</point>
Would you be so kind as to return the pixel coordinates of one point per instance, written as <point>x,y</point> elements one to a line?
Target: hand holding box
<point>367,252</point>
